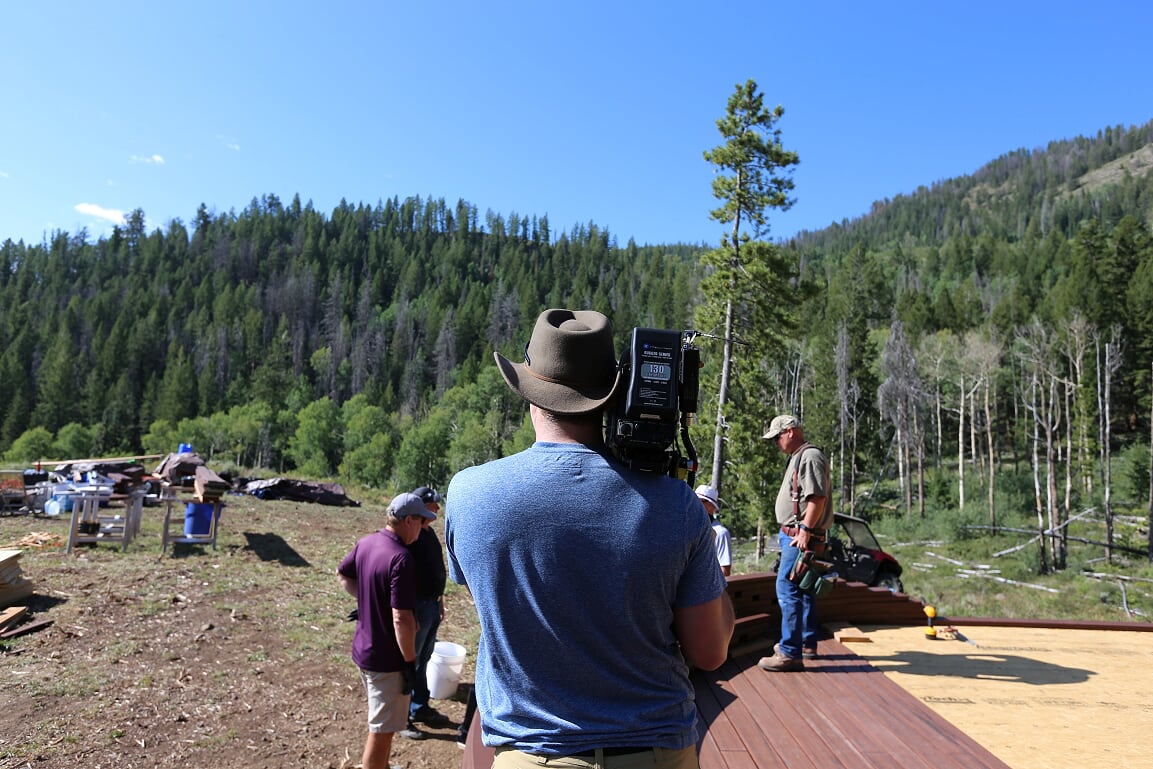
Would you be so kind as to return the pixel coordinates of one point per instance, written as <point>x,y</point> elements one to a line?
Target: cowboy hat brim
<point>556,397</point>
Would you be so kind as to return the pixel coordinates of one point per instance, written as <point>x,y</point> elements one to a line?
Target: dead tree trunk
<point>899,398</point>
<point>920,433</point>
<point>992,463</point>
<point>846,394</point>
<point>722,399</point>
<point>985,355</point>
<point>1035,355</point>
<point>1112,363</point>
<point>1035,409</point>
<point>961,445</point>
<point>1052,441</point>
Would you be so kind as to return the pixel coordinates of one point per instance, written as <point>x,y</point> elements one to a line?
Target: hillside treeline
<point>284,338</point>
<point>982,346</point>
<point>988,342</point>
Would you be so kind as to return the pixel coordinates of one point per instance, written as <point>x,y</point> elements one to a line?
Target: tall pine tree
<point>747,291</point>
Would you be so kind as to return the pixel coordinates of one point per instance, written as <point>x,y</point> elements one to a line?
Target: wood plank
<point>751,632</point>
<point>10,574</point>
<point>30,627</point>
<point>873,725</point>
<point>716,734</point>
<point>1060,624</point>
<point>843,632</point>
<point>10,594</point>
<point>12,615</point>
<point>840,712</point>
<point>769,711</point>
<point>900,725</point>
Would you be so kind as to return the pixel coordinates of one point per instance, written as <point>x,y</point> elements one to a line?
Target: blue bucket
<point>198,518</point>
<point>184,448</point>
<point>64,501</point>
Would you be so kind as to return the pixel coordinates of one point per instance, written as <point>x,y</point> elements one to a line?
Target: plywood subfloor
<point>1036,698</point>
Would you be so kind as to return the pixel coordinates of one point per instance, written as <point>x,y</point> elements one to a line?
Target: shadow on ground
<point>272,547</point>
<point>993,667</point>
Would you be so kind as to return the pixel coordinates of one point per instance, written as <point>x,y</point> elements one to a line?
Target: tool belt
<point>808,574</point>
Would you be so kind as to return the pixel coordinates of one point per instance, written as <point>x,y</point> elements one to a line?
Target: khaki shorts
<point>655,758</point>
<point>387,707</point>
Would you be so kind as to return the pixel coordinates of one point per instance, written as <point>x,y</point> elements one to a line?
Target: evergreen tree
<point>747,288</point>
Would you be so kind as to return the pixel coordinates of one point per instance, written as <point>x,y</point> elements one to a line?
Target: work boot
<point>426,714</point>
<point>779,663</point>
<point>809,652</point>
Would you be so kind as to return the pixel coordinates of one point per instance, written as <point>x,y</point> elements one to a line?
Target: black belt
<point>610,752</point>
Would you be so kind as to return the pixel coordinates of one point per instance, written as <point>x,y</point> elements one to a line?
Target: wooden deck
<point>840,713</point>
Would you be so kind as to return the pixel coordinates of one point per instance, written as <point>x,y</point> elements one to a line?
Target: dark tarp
<point>300,491</point>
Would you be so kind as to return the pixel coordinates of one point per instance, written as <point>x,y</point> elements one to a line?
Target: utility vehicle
<point>857,556</point>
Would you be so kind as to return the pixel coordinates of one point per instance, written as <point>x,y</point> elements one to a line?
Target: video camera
<point>661,371</point>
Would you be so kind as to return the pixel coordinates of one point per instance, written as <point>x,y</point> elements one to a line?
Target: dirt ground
<point>239,657</point>
<point>234,657</point>
<point>1036,698</point>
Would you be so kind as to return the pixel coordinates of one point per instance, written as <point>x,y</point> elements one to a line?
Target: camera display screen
<point>659,371</point>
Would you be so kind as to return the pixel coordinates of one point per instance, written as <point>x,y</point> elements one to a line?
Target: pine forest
<point>980,350</point>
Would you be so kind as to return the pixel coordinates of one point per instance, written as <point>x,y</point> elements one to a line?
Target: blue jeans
<point>428,618</point>
<point>799,626</point>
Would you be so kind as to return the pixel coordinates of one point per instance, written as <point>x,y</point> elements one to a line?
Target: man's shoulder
<point>811,451</point>
<point>370,538</point>
<point>381,539</point>
<point>482,475</point>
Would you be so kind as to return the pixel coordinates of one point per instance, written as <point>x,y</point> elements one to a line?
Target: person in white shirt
<point>711,499</point>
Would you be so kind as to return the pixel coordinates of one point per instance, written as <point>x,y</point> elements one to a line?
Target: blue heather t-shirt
<point>385,575</point>
<point>575,564</point>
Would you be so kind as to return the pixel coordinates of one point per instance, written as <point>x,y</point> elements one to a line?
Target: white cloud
<point>91,209</point>
<point>4,175</point>
<point>154,159</point>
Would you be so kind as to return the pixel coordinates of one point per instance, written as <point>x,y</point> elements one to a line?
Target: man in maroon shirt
<point>381,574</point>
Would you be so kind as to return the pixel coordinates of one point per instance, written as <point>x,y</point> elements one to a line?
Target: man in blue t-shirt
<point>597,587</point>
<point>380,573</point>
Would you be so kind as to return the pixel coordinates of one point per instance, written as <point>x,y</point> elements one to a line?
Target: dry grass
<point>233,657</point>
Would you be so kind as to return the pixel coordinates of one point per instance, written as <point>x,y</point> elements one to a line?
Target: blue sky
<point>584,112</point>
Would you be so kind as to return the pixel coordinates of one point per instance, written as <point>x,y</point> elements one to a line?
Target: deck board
<point>840,712</point>
<point>749,719</point>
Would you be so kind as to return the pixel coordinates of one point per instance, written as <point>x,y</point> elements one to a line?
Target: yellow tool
<point>930,631</point>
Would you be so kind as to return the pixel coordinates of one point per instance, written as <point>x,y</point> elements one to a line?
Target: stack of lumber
<point>13,586</point>
<point>209,486</point>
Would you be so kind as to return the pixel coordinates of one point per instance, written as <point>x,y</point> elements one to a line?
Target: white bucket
<point>444,666</point>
